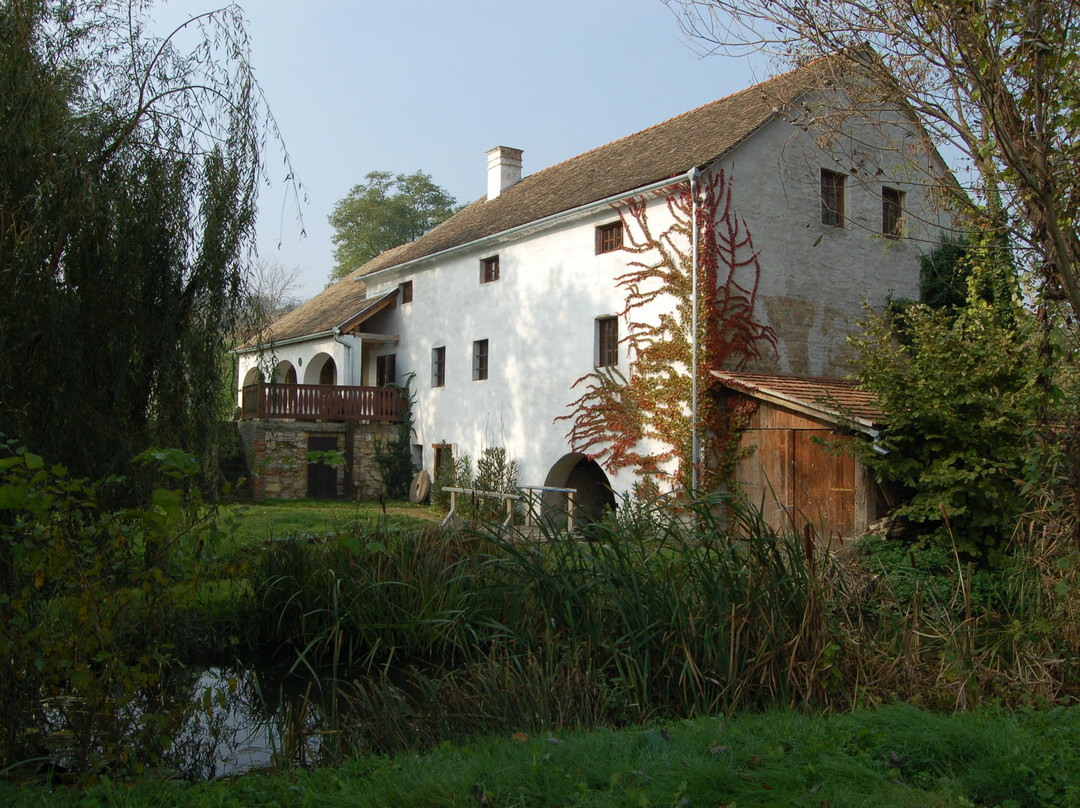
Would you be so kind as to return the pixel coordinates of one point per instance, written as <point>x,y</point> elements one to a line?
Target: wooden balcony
<point>321,402</point>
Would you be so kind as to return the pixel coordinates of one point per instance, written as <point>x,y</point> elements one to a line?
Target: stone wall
<point>277,457</point>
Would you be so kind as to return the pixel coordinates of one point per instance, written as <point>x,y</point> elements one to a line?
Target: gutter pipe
<point>348,354</point>
<point>695,451</point>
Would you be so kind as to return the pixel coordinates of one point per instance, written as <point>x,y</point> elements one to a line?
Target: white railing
<point>530,496</point>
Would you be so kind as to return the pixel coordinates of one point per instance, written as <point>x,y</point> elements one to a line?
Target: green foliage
<point>958,391</point>
<point>943,275</point>
<point>897,755</point>
<point>128,184</point>
<point>495,472</point>
<point>86,605</point>
<point>385,211</point>
<point>395,458</point>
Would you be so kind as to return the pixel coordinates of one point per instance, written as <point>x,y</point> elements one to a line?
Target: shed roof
<point>835,400</point>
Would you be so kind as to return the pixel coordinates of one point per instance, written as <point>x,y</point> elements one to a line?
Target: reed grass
<point>431,634</point>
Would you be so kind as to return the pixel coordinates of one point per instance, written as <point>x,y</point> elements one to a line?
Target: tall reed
<point>657,613</point>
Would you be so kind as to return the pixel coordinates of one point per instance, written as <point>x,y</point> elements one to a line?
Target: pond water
<point>241,719</point>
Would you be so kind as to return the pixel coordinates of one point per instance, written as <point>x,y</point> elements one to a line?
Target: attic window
<point>406,292</point>
<point>832,198</point>
<point>892,211</point>
<point>489,269</point>
<point>609,237</point>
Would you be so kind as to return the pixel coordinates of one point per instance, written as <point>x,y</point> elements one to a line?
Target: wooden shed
<point>794,470</point>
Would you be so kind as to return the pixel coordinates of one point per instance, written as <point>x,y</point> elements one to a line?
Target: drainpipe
<point>347,375</point>
<point>692,175</point>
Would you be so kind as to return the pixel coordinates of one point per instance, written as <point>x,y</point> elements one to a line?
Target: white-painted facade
<point>540,317</point>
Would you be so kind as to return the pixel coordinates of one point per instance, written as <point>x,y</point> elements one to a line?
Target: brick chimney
<point>504,169</point>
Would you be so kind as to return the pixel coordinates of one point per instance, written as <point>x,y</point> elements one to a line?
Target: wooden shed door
<point>321,478</point>
<point>824,485</point>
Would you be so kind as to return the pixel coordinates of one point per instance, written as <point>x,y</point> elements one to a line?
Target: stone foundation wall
<point>277,457</point>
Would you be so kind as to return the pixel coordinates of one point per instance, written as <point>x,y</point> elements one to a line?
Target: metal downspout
<point>347,380</point>
<point>691,175</point>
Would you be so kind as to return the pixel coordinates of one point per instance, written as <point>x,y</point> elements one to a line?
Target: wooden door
<point>321,478</point>
<point>824,485</point>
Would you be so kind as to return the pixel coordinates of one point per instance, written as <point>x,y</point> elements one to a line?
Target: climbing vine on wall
<point>643,420</point>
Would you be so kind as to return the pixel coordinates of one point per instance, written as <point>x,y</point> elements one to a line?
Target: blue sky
<point>402,85</point>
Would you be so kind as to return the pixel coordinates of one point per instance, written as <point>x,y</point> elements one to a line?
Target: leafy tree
<point>128,183</point>
<point>995,83</point>
<point>943,276</point>
<point>644,420</point>
<point>385,211</point>
<point>959,390</point>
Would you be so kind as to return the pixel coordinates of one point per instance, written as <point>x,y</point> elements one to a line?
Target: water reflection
<point>239,719</point>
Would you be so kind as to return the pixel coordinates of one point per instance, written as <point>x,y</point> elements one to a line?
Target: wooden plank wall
<point>797,481</point>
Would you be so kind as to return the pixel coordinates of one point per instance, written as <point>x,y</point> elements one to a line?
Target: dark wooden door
<point>321,478</point>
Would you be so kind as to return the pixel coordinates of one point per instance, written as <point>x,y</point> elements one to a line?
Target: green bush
<point>959,394</point>
<point>87,598</point>
<point>395,458</point>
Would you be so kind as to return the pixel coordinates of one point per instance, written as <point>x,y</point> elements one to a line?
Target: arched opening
<point>328,372</point>
<point>253,376</point>
<point>284,372</point>
<point>320,369</point>
<point>593,495</point>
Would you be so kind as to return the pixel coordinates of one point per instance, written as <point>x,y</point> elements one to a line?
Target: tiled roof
<point>664,151</point>
<point>331,308</point>
<point>826,396</point>
<point>661,152</point>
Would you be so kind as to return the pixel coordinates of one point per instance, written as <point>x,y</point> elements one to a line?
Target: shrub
<point>959,394</point>
<point>395,457</point>
<point>86,602</point>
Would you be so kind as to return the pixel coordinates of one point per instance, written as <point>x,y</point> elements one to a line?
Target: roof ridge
<point>760,85</point>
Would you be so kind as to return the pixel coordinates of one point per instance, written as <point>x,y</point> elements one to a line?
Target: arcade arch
<point>594,493</point>
<point>320,369</point>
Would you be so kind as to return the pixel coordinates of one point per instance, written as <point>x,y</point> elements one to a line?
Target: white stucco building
<point>499,310</point>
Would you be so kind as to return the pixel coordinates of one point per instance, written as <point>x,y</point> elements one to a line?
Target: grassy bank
<point>414,636</point>
<point>897,755</point>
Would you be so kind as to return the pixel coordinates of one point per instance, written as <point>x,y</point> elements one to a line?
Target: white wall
<point>539,317</point>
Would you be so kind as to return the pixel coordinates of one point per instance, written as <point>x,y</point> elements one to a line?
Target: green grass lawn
<point>895,756</point>
<point>271,520</point>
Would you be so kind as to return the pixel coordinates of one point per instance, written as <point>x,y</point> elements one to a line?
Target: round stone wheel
<point>420,488</point>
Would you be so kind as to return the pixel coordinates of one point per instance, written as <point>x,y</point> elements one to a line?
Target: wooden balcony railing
<point>321,402</point>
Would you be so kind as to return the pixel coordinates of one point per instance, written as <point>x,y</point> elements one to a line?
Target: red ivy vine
<point>644,420</point>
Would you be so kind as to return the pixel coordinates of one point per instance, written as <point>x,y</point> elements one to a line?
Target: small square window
<point>405,290</point>
<point>832,198</point>
<point>607,342</point>
<point>892,213</point>
<point>480,360</point>
<point>438,366</point>
<point>609,237</point>
<point>489,269</point>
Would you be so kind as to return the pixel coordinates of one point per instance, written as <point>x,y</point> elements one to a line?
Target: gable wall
<point>539,317</point>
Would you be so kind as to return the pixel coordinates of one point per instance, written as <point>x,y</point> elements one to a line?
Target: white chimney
<point>504,169</point>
